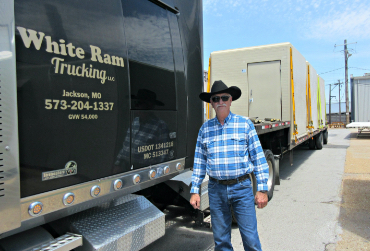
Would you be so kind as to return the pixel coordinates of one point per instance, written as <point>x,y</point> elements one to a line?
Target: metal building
<point>338,112</point>
<point>360,98</point>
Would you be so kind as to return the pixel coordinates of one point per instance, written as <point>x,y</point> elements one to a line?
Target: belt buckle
<point>232,181</point>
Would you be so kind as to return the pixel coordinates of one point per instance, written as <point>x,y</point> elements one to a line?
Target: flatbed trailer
<point>281,94</point>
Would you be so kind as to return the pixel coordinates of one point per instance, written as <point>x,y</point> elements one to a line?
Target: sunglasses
<point>217,98</point>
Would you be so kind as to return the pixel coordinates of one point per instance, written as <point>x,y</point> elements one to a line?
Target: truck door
<point>72,90</point>
<point>157,93</point>
<point>264,90</point>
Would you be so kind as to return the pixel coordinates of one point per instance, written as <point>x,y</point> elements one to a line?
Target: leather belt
<point>232,181</point>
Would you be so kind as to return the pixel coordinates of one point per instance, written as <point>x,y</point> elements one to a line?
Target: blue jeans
<point>240,197</point>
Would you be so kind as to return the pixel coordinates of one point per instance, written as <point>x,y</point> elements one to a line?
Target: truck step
<point>128,223</point>
<point>207,220</point>
<point>182,184</point>
<point>65,242</point>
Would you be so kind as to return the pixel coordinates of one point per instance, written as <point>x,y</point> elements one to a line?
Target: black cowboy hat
<point>220,87</point>
<point>147,95</point>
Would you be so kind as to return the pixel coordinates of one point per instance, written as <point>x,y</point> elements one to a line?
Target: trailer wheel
<point>318,141</point>
<point>311,143</point>
<point>325,137</point>
<point>272,167</point>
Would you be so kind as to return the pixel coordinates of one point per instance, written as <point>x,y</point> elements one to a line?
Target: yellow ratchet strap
<point>307,104</point>
<point>310,122</point>
<point>319,103</point>
<point>295,132</point>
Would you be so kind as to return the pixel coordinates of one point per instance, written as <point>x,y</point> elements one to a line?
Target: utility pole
<point>330,97</point>
<point>340,112</point>
<point>346,56</point>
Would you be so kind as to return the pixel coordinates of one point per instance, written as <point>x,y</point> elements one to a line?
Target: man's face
<point>219,104</point>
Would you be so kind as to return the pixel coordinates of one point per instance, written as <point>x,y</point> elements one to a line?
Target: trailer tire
<point>325,137</point>
<point>311,143</point>
<point>272,167</point>
<point>318,141</point>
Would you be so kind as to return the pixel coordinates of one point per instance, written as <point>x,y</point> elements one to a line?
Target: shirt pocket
<point>238,145</point>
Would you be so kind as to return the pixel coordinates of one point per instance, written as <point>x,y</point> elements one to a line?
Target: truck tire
<point>311,143</point>
<point>318,141</point>
<point>325,137</point>
<point>272,167</point>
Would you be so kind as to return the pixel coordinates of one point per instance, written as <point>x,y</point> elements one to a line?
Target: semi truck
<point>282,95</point>
<point>99,111</point>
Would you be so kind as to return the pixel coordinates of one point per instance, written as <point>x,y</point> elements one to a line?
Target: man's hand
<point>261,199</point>
<point>195,200</point>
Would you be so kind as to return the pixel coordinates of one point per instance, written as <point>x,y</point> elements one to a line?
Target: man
<point>228,150</point>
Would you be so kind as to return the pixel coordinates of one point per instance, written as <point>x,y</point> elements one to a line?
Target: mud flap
<point>182,182</point>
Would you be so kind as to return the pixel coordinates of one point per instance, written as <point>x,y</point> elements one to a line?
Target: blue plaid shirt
<point>228,152</point>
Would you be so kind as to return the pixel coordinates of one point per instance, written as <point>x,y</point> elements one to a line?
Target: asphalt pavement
<point>304,213</point>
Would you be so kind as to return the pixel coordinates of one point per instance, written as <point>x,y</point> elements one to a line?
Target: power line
<point>343,68</point>
<point>338,79</point>
<point>331,71</point>
<point>360,68</point>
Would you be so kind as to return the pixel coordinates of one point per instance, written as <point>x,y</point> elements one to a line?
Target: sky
<point>313,27</point>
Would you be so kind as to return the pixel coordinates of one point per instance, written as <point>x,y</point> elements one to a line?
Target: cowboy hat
<point>220,87</point>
